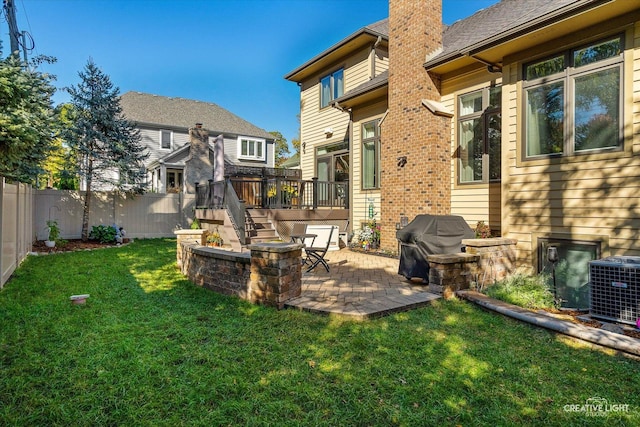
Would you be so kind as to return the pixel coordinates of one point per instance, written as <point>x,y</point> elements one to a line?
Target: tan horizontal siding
<point>315,120</point>
<point>590,195</point>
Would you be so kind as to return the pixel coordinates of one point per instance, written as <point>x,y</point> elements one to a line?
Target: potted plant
<point>54,233</point>
<point>214,239</point>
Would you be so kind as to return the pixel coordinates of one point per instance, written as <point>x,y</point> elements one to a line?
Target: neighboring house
<point>292,162</point>
<point>524,115</point>
<point>164,124</point>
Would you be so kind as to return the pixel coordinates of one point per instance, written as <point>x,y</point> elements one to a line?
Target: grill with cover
<point>430,235</point>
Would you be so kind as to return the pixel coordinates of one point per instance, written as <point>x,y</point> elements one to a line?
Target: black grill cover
<point>430,235</point>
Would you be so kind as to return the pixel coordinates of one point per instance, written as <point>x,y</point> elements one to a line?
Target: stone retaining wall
<point>269,274</point>
<point>485,261</point>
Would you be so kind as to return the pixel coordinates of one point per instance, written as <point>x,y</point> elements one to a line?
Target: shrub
<point>532,292</point>
<point>195,224</point>
<point>103,233</point>
<point>483,231</point>
<point>54,230</point>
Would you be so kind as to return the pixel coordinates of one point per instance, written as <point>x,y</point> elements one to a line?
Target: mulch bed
<point>70,246</point>
<point>573,316</point>
<point>376,252</point>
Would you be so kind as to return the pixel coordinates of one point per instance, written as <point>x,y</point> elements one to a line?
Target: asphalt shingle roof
<point>381,27</point>
<point>499,18</point>
<point>185,113</point>
<point>378,81</point>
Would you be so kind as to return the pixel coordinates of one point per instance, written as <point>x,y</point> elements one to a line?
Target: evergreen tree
<point>109,150</point>
<point>26,120</point>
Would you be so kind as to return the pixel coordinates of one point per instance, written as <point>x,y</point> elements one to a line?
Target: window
<point>174,181</point>
<point>574,101</point>
<point>166,139</point>
<point>370,155</point>
<point>331,87</point>
<point>251,148</point>
<point>479,136</point>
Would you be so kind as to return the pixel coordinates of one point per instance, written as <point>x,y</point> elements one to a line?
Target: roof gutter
<point>363,31</point>
<point>516,32</point>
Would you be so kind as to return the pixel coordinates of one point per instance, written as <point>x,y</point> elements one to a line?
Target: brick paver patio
<point>359,285</point>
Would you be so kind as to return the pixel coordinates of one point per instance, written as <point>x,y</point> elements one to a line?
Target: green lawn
<point>150,348</point>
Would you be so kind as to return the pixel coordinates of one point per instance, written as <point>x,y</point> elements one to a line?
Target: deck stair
<point>259,229</point>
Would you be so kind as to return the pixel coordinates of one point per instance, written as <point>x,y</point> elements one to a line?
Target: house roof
<point>507,21</point>
<point>292,162</point>
<point>156,110</point>
<point>364,36</point>
<point>372,88</point>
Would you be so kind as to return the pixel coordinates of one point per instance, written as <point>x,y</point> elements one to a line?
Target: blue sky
<point>230,52</point>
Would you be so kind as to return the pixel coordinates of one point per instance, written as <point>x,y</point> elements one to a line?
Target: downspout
<point>373,57</point>
<point>350,136</point>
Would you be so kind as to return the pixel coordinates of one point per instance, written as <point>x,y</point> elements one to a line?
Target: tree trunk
<point>85,213</point>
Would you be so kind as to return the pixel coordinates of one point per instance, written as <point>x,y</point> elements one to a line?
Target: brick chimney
<point>415,148</point>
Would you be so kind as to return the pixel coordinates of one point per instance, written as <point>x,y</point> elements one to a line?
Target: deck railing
<point>275,193</point>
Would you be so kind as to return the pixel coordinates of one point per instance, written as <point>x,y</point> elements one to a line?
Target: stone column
<point>197,236</point>
<point>198,167</point>
<point>276,273</point>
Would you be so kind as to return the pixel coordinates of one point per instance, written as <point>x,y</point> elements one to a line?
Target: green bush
<point>532,292</point>
<point>103,233</point>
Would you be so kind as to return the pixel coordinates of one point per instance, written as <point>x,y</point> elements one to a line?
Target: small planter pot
<point>50,243</point>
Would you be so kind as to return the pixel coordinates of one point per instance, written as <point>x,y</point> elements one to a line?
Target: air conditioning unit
<point>615,289</point>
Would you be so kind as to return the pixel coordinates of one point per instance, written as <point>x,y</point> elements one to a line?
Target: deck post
<point>315,192</point>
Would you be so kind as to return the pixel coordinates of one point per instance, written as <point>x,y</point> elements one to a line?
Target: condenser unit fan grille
<point>614,293</point>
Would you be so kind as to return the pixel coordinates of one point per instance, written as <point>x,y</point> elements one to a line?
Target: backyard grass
<point>150,348</point>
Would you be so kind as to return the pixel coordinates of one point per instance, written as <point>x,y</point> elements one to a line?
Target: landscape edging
<point>598,336</point>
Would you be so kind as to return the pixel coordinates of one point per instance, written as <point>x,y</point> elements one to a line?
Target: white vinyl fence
<point>24,213</point>
<point>142,216</point>
<point>16,231</point>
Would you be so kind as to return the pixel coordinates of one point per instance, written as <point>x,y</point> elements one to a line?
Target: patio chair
<point>317,252</point>
<point>299,234</point>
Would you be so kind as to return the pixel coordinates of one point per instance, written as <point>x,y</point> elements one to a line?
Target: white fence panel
<point>16,222</point>
<point>142,216</point>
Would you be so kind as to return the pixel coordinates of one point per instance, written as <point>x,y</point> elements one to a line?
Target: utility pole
<point>10,12</point>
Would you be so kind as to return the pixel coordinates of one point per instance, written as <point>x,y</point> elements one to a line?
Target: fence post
<point>346,195</point>
<point>227,184</point>
<point>278,192</point>
<point>210,194</point>
<point>264,202</point>
<point>242,227</point>
<point>2,185</point>
<point>315,192</point>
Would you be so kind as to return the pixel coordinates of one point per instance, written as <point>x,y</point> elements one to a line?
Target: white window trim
<point>170,139</point>
<point>261,141</point>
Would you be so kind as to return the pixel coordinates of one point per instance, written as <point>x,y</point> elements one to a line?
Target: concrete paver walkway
<point>359,285</point>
